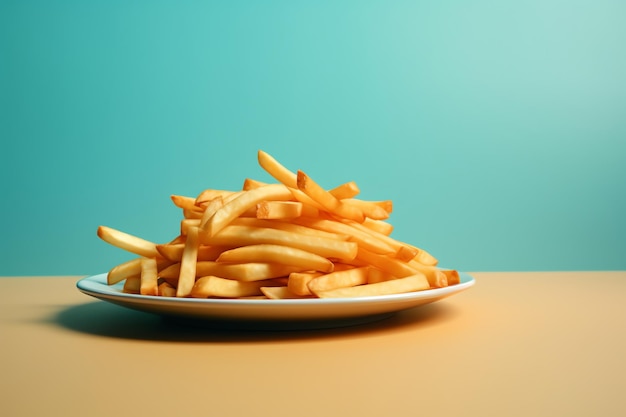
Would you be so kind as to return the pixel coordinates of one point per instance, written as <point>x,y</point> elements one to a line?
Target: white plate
<point>303,312</point>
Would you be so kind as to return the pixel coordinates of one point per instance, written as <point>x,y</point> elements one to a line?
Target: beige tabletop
<point>515,344</point>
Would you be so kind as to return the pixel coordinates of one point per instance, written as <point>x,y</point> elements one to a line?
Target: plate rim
<point>259,314</point>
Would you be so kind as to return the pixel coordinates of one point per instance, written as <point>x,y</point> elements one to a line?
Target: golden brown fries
<point>283,255</point>
<point>298,282</point>
<point>340,279</point>
<point>132,285</point>
<point>187,276</point>
<point>126,270</point>
<point>212,286</point>
<point>395,286</point>
<point>279,293</point>
<point>248,271</point>
<point>287,240</point>
<point>237,206</point>
<point>328,201</point>
<point>346,191</point>
<point>127,242</point>
<point>237,236</point>
<point>149,284</point>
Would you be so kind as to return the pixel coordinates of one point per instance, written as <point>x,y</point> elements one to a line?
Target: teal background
<point>498,128</point>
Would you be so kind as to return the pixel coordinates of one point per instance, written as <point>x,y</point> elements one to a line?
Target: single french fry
<point>211,286</point>
<point>339,279</point>
<point>346,190</point>
<point>379,226</point>
<point>132,285</point>
<point>251,184</point>
<point>288,226</point>
<point>149,280</point>
<point>276,169</point>
<point>187,276</point>
<point>249,271</point>
<point>277,254</point>
<point>453,276</point>
<point>386,205</point>
<point>232,209</point>
<point>412,283</point>
<point>128,269</point>
<point>278,209</point>
<point>184,202</point>
<point>298,282</point>
<point>127,242</point>
<point>280,293</point>
<point>235,235</point>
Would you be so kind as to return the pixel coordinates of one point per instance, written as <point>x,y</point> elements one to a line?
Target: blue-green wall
<point>498,128</point>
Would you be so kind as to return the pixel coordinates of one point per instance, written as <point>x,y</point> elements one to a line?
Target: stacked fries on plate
<point>286,240</point>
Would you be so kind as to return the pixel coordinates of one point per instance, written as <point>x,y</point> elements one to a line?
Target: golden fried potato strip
<point>396,286</point>
<point>277,254</point>
<point>187,276</point>
<point>291,239</point>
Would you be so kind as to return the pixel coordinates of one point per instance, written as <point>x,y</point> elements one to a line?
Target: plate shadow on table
<point>109,320</point>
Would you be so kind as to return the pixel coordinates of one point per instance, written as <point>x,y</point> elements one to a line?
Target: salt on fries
<point>292,239</point>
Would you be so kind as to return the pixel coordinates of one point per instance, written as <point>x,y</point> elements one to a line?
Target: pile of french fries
<point>286,240</point>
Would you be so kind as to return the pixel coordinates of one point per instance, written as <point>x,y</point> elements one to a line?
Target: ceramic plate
<point>337,310</point>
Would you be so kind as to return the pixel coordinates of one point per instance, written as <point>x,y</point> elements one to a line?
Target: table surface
<point>515,344</point>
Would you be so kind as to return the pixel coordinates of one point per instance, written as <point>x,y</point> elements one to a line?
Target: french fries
<point>292,239</point>
<point>395,286</point>
<point>283,255</point>
<point>148,284</point>
<point>188,263</point>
